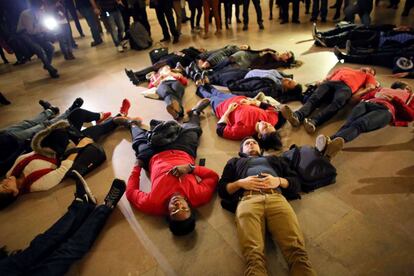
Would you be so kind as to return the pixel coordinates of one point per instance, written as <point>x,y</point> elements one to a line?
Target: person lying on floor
<point>56,150</point>
<point>168,153</point>
<point>377,109</point>
<point>401,61</point>
<point>374,36</point>
<point>209,59</point>
<point>240,117</point>
<point>169,86</point>
<point>256,187</point>
<point>69,238</point>
<point>267,59</point>
<point>15,139</point>
<point>335,90</point>
<point>272,83</point>
<point>183,58</point>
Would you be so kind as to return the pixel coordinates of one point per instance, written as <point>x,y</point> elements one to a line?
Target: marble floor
<point>361,225</point>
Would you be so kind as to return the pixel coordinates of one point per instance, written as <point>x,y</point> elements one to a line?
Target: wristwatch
<point>192,167</point>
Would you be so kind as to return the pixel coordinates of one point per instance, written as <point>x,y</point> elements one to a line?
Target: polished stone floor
<point>361,225</point>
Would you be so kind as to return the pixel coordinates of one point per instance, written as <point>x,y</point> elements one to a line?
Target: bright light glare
<point>50,23</point>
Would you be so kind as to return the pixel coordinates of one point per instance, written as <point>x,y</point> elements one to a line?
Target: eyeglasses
<point>176,211</point>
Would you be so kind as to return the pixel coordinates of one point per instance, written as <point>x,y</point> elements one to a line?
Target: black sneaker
<point>53,74</point>
<point>47,105</point>
<point>76,104</point>
<point>96,43</point>
<point>115,193</point>
<point>82,189</point>
<point>338,53</point>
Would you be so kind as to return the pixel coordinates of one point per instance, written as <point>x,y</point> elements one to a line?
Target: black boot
<point>47,105</point>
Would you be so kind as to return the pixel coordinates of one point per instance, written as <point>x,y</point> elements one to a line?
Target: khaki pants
<point>253,214</point>
<point>178,13</point>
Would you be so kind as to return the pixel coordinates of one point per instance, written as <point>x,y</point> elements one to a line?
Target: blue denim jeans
<point>335,93</point>
<point>216,97</point>
<point>27,128</point>
<point>365,117</point>
<point>68,240</point>
<point>116,23</point>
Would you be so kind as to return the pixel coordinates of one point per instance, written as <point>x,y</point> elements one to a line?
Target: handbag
<point>158,53</point>
<point>89,157</point>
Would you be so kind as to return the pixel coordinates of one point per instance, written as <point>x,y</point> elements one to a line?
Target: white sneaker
<point>120,48</point>
<point>124,43</point>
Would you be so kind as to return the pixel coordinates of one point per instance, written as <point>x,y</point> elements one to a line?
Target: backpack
<point>164,133</point>
<point>139,39</point>
<point>88,158</point>
<point>314,169</point>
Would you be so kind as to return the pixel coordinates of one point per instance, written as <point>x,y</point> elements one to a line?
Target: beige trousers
<point>255,213</point>
<point>177,11</point>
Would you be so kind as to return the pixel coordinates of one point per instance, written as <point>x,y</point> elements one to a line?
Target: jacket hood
<point>40,136</point>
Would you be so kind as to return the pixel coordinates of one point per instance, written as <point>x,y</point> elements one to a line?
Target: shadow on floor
<point>386,185</point>
<point>393,147</point>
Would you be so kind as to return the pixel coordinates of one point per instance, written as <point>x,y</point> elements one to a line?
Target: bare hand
<point>232,107</point>
<point>270,181</point>
<point>180,170</point>
<point>205,65</point>
<point>249,102</point>
<point>252,183</point>
<point>97,11</point>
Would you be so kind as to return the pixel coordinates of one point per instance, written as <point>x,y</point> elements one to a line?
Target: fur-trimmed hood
<point>40,136</point>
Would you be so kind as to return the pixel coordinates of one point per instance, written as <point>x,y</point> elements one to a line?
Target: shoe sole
<point>117,189</point>
<point>202,104</point>
<point>287,113</point>
<point>310,128</point>
<point>91,197</point>
<point>321,142</point>
<point>174,109</point>
<point>125,106</point>
<point>334,147</point>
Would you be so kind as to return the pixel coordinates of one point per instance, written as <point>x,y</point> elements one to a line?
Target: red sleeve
<point>206,187</point>
<point>183,80</point>
<point>402,111</point>
<point>133,194</point>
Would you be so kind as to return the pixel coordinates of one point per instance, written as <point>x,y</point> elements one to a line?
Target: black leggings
<point>80,116</point>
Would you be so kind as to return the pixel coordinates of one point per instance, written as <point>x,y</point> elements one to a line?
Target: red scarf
<point>29,179</point>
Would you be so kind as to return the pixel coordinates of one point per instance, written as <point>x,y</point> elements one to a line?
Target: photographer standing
<point>31,30</point>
